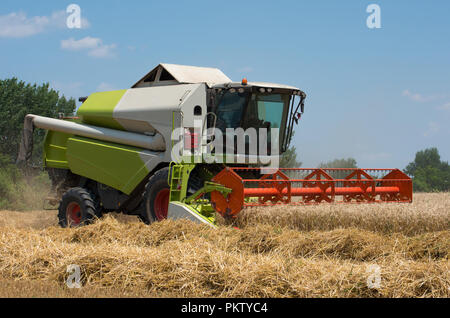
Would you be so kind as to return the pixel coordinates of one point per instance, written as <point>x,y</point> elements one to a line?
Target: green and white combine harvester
<point>116,154</point>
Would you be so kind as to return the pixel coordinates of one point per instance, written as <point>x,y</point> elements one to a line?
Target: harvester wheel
<point>156,197</point>
<point>76,208</point>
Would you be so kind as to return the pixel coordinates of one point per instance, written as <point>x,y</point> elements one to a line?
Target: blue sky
<point>378,95</point>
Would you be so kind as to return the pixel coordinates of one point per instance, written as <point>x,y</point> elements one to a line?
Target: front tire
<point>156,197</point>
<point>76,208</point>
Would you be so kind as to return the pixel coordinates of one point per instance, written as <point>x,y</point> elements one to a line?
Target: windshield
<point>230,109</point>
<point>257,110</point>
<point>266,111</point>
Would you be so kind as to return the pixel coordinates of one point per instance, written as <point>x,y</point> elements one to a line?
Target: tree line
<point>17,99</point>
<point>428,172</point>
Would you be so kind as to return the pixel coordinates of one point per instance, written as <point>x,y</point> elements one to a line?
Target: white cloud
<point>105,87</point>
<point>71,89</point>
<point>18,25</point>
<point>103,51</point>
<point>420,98</point>
<point>433,128</point>
<point>94,46</point>
<point>58,19</point>
<point>85,43</point>
<point>446,106</point>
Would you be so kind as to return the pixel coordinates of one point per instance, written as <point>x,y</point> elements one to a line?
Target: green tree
<point>289,157</point>
<point>18,99</point>
<point>429,173</point>
<point>339,163</point>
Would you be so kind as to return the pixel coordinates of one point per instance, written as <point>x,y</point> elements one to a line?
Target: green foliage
<point>19,192</point>
<point>8,190</point>
<point>339,163</point>
<point>18,99</point>
<point>289,159</point>
<point>429,173</point>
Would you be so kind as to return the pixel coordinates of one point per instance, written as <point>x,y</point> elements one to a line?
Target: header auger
<point>136,151</point>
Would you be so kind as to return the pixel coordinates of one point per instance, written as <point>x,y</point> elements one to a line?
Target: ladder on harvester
<point>178,182</point>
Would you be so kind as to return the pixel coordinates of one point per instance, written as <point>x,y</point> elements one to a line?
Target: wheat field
<point>295,251</point>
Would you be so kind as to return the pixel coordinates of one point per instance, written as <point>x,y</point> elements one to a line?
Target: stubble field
<point>368,250</point>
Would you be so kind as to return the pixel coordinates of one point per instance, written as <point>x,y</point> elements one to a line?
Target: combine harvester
<point>117,154</point>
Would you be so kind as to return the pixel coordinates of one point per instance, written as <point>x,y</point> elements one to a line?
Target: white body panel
<point>151,109</point>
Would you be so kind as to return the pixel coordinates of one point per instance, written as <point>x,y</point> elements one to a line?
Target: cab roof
<point>171,74</point>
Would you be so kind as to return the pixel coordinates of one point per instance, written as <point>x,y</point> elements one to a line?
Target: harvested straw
<point>266,257</point>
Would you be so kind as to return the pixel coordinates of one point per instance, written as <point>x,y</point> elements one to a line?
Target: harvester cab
<point>256,108</point>
<point>187,142</point>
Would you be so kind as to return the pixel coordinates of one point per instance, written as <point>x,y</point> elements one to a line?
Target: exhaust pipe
<point>154,143</point>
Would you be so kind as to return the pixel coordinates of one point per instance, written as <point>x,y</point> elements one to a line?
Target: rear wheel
<point>76,208</point>
<point>156,197</point>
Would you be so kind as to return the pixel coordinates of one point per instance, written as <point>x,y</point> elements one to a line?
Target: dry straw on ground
<point>315,251</point>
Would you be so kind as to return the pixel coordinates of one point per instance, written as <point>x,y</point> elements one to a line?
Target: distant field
<point>301,251</point>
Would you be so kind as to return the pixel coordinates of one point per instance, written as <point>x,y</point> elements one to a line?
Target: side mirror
<point>297,116</point>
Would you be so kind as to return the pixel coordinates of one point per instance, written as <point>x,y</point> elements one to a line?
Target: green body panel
<point>178,180</point>
<point>178,183</point>
<point>55,147</point>
<point>205,211</point>
<point>117,166</point>
<point>99,107</point>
